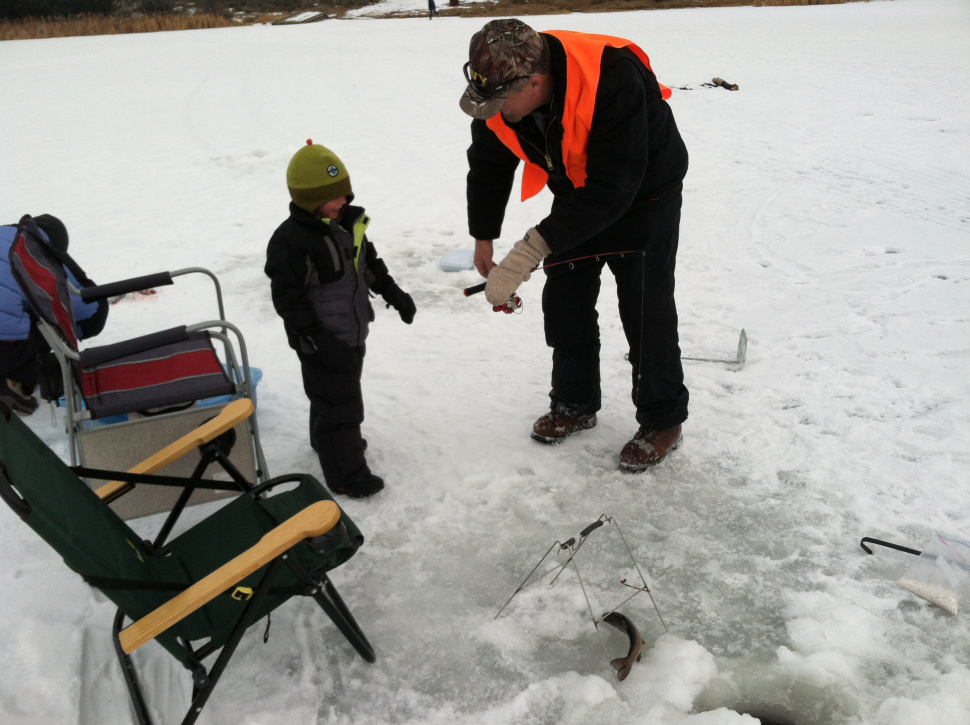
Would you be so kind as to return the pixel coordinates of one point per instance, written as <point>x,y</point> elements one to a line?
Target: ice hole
<point>774,697</point>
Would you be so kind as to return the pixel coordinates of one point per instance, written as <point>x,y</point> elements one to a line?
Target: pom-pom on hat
<point>315,176</point>
<point>54,229</point>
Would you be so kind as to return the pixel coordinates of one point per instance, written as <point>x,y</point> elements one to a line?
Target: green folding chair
<point>197,594</point>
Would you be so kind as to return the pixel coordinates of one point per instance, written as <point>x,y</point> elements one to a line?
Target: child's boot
<point>366,485</point>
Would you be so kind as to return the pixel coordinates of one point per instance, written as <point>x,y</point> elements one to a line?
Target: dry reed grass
<point>107,25</point>
<point>512,8</point>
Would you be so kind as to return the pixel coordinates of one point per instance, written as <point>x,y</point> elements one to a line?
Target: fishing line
<point>643,296</point>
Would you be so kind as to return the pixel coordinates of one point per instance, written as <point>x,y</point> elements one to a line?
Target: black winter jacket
<point>298,256</point>
<point>634,154</point>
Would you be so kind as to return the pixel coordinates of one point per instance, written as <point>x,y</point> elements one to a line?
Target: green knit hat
<point>315,176</point>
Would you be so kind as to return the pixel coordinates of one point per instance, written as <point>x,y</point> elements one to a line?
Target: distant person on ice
<point>432,9</point>
<point>321,268</point>
<point>616,173</point>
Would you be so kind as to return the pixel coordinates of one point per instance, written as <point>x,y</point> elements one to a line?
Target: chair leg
<point>205,684</point>
<point>131,677</point>
<point>323,591</point>
<point>262,470</point>
<point>182,501</point>
<point>329,600</point>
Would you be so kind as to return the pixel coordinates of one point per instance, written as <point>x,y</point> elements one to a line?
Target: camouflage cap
<point>501,52</point>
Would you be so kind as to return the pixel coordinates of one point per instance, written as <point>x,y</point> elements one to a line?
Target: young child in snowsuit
<point>322,268</point>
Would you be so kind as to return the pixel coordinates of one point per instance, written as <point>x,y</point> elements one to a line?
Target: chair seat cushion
<point>172,373</point>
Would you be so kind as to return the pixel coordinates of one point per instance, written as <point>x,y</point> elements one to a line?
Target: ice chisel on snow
<point>738,360</point>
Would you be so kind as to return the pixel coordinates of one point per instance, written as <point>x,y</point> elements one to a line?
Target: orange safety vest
<point>584,54</point>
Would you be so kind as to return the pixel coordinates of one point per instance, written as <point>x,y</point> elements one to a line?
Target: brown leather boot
<point>555,428</point>
<point>648,447</point>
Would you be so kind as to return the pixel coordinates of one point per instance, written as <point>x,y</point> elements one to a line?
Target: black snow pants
<point>645,291</point>
<point>336,412</point>
<point>19,359</point>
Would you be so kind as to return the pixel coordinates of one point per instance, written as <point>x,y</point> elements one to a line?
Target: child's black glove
<point>328,350</point>
<point>400,301</point>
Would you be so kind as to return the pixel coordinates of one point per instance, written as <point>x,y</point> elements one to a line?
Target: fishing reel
<point>512,306</point>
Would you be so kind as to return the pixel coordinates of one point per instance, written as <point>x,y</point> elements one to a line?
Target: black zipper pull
<point>545,138</point>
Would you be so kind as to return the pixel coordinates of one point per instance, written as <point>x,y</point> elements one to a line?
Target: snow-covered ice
<point>827,212</point>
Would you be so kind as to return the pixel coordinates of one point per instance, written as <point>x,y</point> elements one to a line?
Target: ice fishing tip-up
<point>612,617</point>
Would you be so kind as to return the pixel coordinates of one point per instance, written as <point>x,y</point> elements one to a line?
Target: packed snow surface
<point>826,212</point>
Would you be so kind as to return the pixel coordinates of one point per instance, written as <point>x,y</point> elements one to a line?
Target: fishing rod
<point>514,303</point>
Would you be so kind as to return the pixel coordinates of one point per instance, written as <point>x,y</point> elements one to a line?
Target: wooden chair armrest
<point>315,520</point>
<point>234,413</point>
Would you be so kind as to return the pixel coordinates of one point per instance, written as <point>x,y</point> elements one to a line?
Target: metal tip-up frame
<point>612,617</point>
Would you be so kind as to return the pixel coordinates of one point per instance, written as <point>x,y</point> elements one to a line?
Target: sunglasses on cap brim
<point>480,83</point>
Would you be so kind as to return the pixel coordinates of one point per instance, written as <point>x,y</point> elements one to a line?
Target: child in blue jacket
<point>25,357</point>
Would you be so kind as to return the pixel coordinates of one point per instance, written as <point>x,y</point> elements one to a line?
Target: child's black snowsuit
<point>321,273</point>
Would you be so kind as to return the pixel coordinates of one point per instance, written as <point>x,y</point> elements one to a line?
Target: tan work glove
<point>516,268</point>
